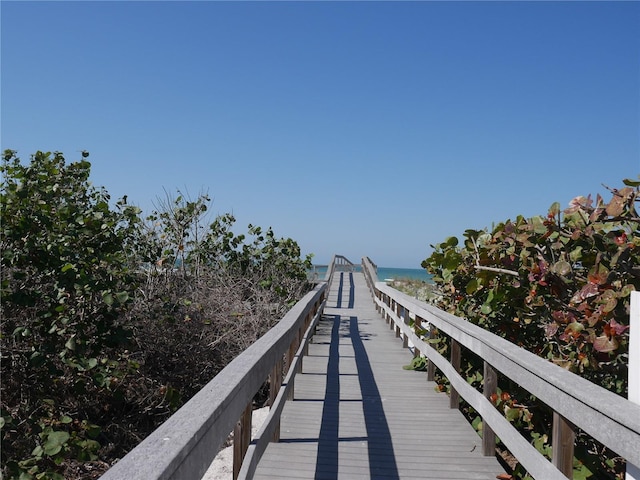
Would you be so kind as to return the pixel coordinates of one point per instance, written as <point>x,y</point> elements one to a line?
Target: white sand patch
<point>222,466</point>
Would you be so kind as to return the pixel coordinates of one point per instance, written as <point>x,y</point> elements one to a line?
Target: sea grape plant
<point>65,284</point>
<point>557,285</point>
<point>109,321</point>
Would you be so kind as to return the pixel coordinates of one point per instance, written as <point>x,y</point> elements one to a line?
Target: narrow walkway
<point>358,415</point>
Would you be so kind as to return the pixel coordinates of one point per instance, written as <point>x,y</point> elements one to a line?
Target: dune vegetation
<point>558,285</point>
<point>112,320</point>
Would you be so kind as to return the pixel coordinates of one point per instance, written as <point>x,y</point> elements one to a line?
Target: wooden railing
<point>184,446</point>
<point>576,402</point>
<point>338,263</point>
<point>343,264</point>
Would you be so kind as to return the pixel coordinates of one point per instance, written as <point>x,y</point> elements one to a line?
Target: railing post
<point>490,387</point>
<point>298,342</point>
<point>431,367</point>
<point>417,327</point>
<point>291,355</point>
<point>392,305</point>
<point>454,398</point>
<point>387,302</point>
<point>398,316</point>
<point>405,318</point>
<point>241,439</point>
<point>562,443</point>
<point>276,383</point>
<point>316,307</point>
<point>306,326</point>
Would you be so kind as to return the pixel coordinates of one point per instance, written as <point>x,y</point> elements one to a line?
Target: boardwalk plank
<point>357,414</point>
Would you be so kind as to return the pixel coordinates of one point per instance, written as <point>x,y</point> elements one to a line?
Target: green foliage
<point>62,260</point>
<point>418,364</point>
<point>176,238</point>
<point>110,322</point>
<point>64,285</point>
<point>557,285</point>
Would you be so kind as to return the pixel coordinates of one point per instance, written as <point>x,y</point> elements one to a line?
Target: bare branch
<point>498,270</point>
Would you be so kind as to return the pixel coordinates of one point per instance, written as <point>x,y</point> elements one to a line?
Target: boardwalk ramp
<point>357,414</point>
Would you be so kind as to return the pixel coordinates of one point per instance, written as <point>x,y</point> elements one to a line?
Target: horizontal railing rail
<point>339,263</point>
<point>184,446</point>
<point>343,264</point>
<point>270,429</point>
<point>577,403</point>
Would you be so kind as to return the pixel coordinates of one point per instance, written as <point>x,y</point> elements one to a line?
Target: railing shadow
<point>341,291</point>
<point>381,457</point>
<point>327,459</point>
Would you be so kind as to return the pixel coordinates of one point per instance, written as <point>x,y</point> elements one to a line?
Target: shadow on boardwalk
<point>357,414</point>
<point>378,437</point>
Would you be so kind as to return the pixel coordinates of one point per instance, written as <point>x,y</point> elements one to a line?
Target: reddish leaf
<point>563,317</point>
<point>598,278</point>
<point>616,206</point>
<point>550,329</point>
<point>605,344</point>
<point>621,239</point>
<point>617,328</point>
<point>589,290</point>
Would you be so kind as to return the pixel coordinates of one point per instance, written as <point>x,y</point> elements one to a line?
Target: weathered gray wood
<point>271,424</point>
<point>454,396</point>
<point>610,419</point>
<point>405,319</point>
<point>418,326</point>
<point>241,439</point>
<point>184,446</point>
<point>275,380</point>
<point>562,442</point>
<point>357,413</point>
<point>431,367</point>
<point>535,464</point>
<point>490,387</point>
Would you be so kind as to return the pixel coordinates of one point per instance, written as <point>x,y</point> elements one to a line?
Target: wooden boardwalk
<point>357,414</point>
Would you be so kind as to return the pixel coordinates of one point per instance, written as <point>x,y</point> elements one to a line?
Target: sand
<point>222,466</point>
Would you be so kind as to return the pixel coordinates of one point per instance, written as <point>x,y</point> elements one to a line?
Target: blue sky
<point>356,128</point>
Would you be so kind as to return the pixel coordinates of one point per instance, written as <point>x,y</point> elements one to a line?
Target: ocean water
<point>384,273</point>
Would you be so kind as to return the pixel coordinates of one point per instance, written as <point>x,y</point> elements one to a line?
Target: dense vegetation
<point>110,322</point>
<point>558,285</point>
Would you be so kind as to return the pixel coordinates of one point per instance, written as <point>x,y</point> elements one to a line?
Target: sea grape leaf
<point>605,344</point>
<point>55,441</point>
<point>108,299</point>
<point>561,268</point>
<point>631,183</point>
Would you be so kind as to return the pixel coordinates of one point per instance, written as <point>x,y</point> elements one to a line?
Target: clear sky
<point>356,128</point>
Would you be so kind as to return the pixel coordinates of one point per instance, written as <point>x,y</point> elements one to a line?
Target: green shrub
<point>557,285</point>
<point>110,323</point>
<point>65,283</point>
